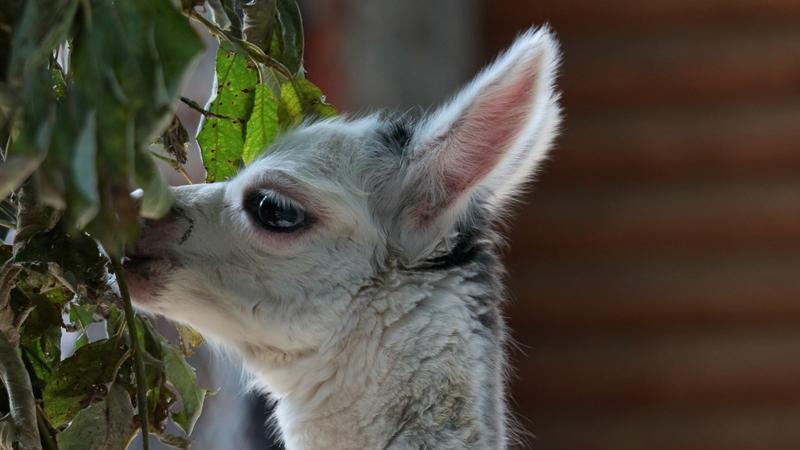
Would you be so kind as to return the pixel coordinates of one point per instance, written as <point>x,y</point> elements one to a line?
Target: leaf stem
<point>172,162</point>
<point>193,104</point>
<point>44,431</point>
<point>182,170</point>
<point>141,381</point>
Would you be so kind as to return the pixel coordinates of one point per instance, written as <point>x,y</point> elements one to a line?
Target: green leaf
<point>188,339</point>
<point>32,217</point>
<point>117,221</point>
<point>25,155</point>
<point>74,260</point>
<point>44,316</point>
<point>82,341</point>
<point>115,321</point>
<point>257,21</point>
<point>42,354</point>
<point>81,378</point>
<point>289,34</point>
<point>10,12</point>
<point>161,397</point>
<point>129,67</point>
<point>262,127</point>
<point>84,172</point>
<point>81,314</point>
<point>221,136</point>
<point>301,99</point>
<point>158,197</point>
<point>60,295</point>
<point>127,64</point>
<point>59,81</point>
<point>181,375</point>
<point>105,425</point>
<point>174,441</point>
<point>218,14</point>
<point>43,26</point>
<point>231,11</point>
<point>151,342</point>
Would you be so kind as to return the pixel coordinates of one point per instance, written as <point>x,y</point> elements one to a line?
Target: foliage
<point>87,89</point>
<point>259,80</point>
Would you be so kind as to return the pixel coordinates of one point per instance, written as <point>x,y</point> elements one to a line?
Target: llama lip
<point>145,275</point>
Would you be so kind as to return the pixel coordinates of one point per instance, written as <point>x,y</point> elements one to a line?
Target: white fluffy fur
<point>363,344</point>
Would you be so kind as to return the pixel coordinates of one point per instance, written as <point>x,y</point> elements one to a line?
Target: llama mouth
<point>146,276</point>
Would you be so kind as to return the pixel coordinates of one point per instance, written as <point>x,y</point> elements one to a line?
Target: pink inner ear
<point>478,140</point>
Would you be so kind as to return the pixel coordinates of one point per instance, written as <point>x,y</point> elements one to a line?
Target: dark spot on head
<point>462,253</point>
<point>395,136</point>
<point>472,245</point>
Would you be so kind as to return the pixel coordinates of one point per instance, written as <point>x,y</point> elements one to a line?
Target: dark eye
<point>275,212</point>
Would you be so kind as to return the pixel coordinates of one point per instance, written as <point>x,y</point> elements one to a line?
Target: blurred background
<point>655,266</point>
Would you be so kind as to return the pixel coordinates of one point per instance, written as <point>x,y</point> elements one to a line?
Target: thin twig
<point>182,170</point>
<point>44,431</point>
<point>178,167</point>
<point>253,51</point>
<point>193,104</point>
<point>141,381</point>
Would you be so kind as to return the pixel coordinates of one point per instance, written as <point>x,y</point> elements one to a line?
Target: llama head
<point>273,260</point>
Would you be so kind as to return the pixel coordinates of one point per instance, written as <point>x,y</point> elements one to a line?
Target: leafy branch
<point>243,47</point>
<point>130,320</point>
<point>261,87</point>
<point>88,90</point>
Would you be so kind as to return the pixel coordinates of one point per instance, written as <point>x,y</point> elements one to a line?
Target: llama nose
<point>156,234</point>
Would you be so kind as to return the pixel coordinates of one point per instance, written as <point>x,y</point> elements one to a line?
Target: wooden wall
<point>656,267</point>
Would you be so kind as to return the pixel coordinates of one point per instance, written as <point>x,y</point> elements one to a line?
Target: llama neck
<point>422,368</point>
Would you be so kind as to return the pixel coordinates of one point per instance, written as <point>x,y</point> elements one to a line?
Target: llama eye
<point>275,212</point>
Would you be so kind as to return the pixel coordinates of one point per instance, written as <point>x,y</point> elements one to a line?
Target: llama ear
<point>488,140</point>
